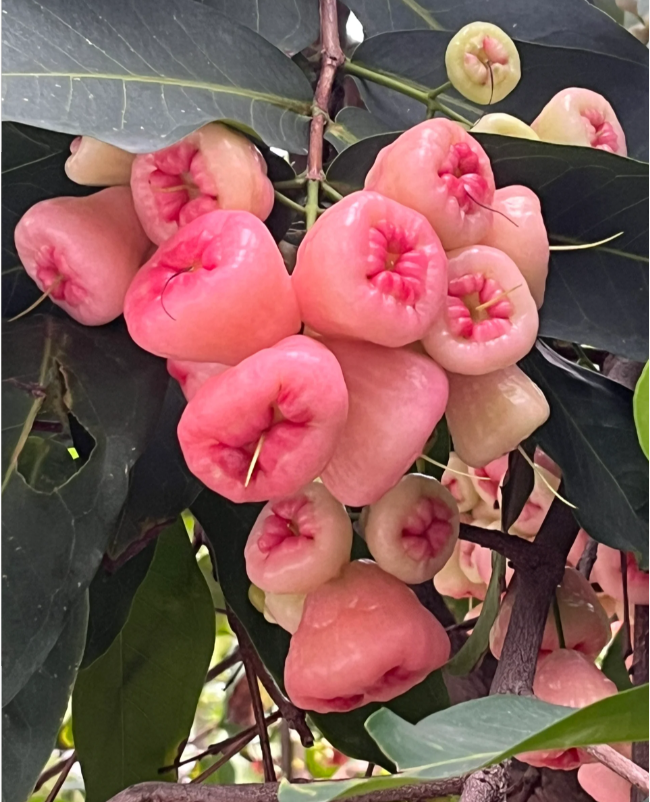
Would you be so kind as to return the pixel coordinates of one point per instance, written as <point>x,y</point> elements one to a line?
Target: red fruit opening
<point>427,529</point>
<point>282,525</point>
<point>460,172</point>
<point>395,266</point>
<point>477,308</point>
<point>600,132</point>
<point>50,275</point>
<point>342,704</point>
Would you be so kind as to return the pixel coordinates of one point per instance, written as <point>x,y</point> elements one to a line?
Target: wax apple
<point>504,125</point>
<point>519,232</point>
<point>213,168</point>
<point>299,541</point>
<point>284,609</point>
<point>397,396</point>
<point>217,291</point>
<point>98,164</point>
<point>441,171</point>
<point>413,528</point>
<point>280,411</point>
<point>608,574</point>
<point>363,637</point>
<point>452,581</point>
<point>603,784</point>
<point>459,483</point>
<point>488,478</point>
<point>577,116</point>
<point>84,252</point>
<point>371,269</point>
<point>490,319</point>
<point>191,375</point>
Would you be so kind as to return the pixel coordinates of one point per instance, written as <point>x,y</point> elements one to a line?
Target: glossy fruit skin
<point>299,541</point>
<point>217,291</point>
<point>503,125</point>
<point>284,609</point>
<point>397,396</point>
<point>584,621</point>
<point>371,269</point>
<point>221,170</point>
<point>577,116</point>
<point>191,375</point>
<point>525,241</point>
<point>91,246</point>
<point>98,164</point>
<point>461,487</point>
<point>465,341</point>
<point>434,168</point>
<point>603,784</point>
<point>472,53</point>
<point>337,662</point>
<point>293,394</point>
<point>607,573</point>
<point>413,528</point>
<point>452,580</point>
<point>489,415</point>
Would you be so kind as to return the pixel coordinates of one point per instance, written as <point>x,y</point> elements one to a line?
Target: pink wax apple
<point>452,580</point>
<point>490,320</point>
<point>84,252</point>
<point>281,412</point>
<point>603,784</point>
<point>191,375</point>
<point>441,171</point>
<point>217,291</point>
<point>397,396</point>
<point>299,541</point>
<point>413,528</point>
<point>488,478</point>
<point>213,168</point>
<point>371,269</point>
<point>519,232</point>
<point>608,574</point>
<point>363,637</point>
<point>459,484</point>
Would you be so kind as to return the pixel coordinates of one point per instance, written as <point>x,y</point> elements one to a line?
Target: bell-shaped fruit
<point>371,269</point>
<point>441,171</point>
<point>97,164</point>
<point>284,609</point>
<point>217,291</point>
<point>213,168</point>
<point>363,637</point>
<point>459,483</point>
<point>452,581</point>
<point>299,541</point>
<point>489,415</point>
<point>519,232</point>
<point>487,480</point>
<point>607,572</point>
<point>397,396</point>
<point>603,784</point>
<point>269,425</point>
<point>490,320</point>
<point>578,116</point>
<point>191,375</point>
<point>483,63</point>
<point>84,252</point>
<point>503,125</point>
<point>413,528</point>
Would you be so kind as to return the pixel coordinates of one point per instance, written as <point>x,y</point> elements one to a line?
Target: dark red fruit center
<point>52,275</point>
<point>461,172</point>
<point>284,525</point>
<point>176,183</point>
<point>395,265</point>
<point>600,132</point>
<point>468,313</point>
<point>427,529</point>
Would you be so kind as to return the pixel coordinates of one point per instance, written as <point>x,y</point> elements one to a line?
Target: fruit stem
<point>39,300</point>
<point>583,359</point>
<point>558,622</point>
<point>496,299</point>
<point>311,209</point>
<point>433,94</point>
<point>438,106</point>
<point>283,199</point>
<point>331,193</point>
<point>544,479</point>
<point>389,81</point>
<point>293,183</point>
<point>451,470</point>
<point>256,456</point>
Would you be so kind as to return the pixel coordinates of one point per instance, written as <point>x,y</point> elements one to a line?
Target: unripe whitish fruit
<point>503,125</point>
<point>97,164</point>
<point>284,609</point>
<point>460,486</point>
<point>452,581</point>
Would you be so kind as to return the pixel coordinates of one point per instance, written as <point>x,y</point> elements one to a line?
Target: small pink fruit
<point>364,637</point>
<point>98,164</point>
<point>467,559</point>
<point>584,621</point>
<point>84,252</point>
<point>539,502</point>
<point>291,399</point>
<point>607,573</point>
<point>284,609</point>
<point>397,397</point>
<point>441,171</point>
<point>371,269</point>
<point>603,784</point>
<point>488,479</point>
<point>413,528</point>
<point>490,320</point>
<point>452,581</point>
<point>482,558</point>
<point>568,678</point>
<point>489,415</point>
<point>461,487</point>
<point>578,116</point>
<point>217,291</point>
<point>521,234</point>
<point>213,168</point>
<point>191,375</point>
<point>579,545</point>
<point>299,541</point>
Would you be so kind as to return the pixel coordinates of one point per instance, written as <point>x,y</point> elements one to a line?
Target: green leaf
<point>133,707</point>
<point>640,405</point>
<point>475,647</point>
<point>227,526</point>
<point>591,435</point>
<point>142,74</point>
<point>613,665</point>
<point>518,484</point>
<point>351,125</point>
<point>31,721</point>
<point>105,392</point>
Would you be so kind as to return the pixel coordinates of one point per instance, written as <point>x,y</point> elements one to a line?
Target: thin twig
<point>224,665</point>
<point>624,767</point>
<point>62,776</point>
<point>57,768</point>
<point>588,558</point>
<point>283,199</point>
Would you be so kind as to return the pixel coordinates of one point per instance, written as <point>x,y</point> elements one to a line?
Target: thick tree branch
<point>588,558</point>
<point>520,552</point>
<point>624,767</point>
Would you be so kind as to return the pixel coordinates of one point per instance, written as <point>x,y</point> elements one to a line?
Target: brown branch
<point>639,677</point>
<point>61,779</point>
<point>520,552</point>
<point>224,665</point>
<point>588,558</point>
<point>624,767</point>
<point>57,768</point>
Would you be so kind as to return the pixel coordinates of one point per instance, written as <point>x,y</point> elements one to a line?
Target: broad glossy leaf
<point>570,23</point>
<point>142,74</point>
<point>613,665</point>
<point>227,526</point>
<point>31,721</point>
<point>418,57</point>
<point>290,25</point>
<point>596,296</point>
<point>351,125</point>
<point>591,435</point>
<point>640,403</point>
<point>107,393</point>
<point>281,217</point>
<point>134,706</point>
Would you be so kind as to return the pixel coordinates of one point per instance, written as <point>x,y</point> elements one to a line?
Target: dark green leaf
<point>281,217</point>
<point>108,392</point>
<point>438,449</point>
<point>351,125</point>
<point>591,435</point>
<point>613,664</point>
<point>142,74</point>
<point>227,526</point>
<point>134,706</point>
<point>31,720</point>
<point>641,413</point>
<point>349,169</point>
<point>518,484</point>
